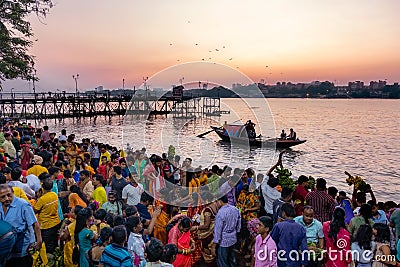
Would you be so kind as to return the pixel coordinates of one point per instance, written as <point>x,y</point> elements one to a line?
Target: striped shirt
<point>227,224</point>
<point>116,256</point>
<point>323,205</point>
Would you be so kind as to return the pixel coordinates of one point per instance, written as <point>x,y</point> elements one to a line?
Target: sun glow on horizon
<point>272,41</point>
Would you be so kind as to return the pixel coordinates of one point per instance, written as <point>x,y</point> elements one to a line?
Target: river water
<point>360,136</point>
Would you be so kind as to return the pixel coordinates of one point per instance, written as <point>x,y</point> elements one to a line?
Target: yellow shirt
<point>71,230</point>
<point>18,192</point>
<point>203,179</point>
<point>194,185</point>
<point>47,208</point>
<point>36,170</point>
<point>107,154</point>
<point>100,195</point>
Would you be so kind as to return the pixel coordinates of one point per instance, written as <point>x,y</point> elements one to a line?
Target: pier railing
<point>64,105</point>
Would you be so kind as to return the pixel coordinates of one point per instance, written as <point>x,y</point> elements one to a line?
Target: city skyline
<point>107,43</point>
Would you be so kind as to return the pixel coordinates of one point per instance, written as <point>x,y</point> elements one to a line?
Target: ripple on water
<point>343,135</point>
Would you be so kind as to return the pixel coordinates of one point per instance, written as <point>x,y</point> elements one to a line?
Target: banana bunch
<point>284,177</point>
<point>357,181</point>
<point>171,151</point>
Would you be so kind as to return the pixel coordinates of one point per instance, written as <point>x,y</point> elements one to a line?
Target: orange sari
<point>160,225</point>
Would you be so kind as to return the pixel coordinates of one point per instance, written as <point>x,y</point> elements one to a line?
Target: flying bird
<point>216,49</point>
<point>230,58</point>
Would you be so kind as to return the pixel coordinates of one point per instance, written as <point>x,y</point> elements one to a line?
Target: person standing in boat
<point>251,132</point>
<point>292,135</point>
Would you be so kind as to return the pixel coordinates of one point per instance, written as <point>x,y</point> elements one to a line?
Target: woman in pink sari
<point>154,176</point>
<point>180,236</point>
<point>338,251</point>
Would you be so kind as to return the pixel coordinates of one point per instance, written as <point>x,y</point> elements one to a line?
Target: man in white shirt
<point>131,193</point>
<point>176,172</point>
<point>63,136</point>
<point>270,194</point>
<point>16,174</point>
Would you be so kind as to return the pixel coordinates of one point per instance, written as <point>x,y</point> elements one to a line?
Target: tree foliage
<point>15,37</point>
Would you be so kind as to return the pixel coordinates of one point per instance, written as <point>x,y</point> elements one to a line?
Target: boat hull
<point>256,142</point>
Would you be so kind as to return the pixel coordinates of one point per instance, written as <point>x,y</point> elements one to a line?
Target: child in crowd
<point>265,247</point>
<point>169,254</point>
<point>362,245</point>
<point>94,254</point>
<point>154,254</point>
<point>104,167</point>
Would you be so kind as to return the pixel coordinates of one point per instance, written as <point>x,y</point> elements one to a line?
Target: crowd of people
<point>84,203</point>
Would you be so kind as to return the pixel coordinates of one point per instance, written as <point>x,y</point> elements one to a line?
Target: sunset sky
<point>299,41</point>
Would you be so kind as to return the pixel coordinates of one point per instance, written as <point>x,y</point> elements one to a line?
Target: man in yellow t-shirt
<point>99,194</point>
<point>104,152</point>
<point>47,209</point>
<point>37,169</point>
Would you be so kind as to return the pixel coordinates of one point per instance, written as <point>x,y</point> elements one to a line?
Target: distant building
<point>357,85</point>
<point>377,86</point>
<point>100,88</point>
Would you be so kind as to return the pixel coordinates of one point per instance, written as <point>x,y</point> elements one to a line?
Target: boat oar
<point>203,134</point>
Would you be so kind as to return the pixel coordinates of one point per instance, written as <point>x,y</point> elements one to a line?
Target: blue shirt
<point>381,217</point>
<point>239,186</point>
<point>290,236</point>
<point>55,190</point>
<point>229,191</point>
<point>116,256</point>
<point>398,251</point>
<point>21,216</point>
<point>313,231</point>
<point>143,211</point>
<point>227,224</point>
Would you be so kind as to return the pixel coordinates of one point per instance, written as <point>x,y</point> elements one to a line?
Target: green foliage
<point>311,182</point>
<point>284,177</point>
<point>15,34</point>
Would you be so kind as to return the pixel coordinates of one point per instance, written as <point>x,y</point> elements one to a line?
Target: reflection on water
<point>360,136</point>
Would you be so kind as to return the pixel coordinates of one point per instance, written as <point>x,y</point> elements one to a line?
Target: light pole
<point>76,82</point>
<point>33,82</point>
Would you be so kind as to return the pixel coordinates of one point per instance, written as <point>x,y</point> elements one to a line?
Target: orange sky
<point>300,41</point>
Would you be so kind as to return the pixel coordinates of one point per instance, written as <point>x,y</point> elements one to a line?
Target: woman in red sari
<point>337,240</point>
<point>194,210</point>
<point>180,236</point>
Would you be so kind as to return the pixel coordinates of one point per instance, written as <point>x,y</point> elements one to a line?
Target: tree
<point>15,37</point>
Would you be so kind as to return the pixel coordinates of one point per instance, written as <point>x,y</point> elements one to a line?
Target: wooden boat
<point>238,134</point>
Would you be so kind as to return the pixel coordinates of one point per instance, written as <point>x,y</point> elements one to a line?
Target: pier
<point>75,105</point>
